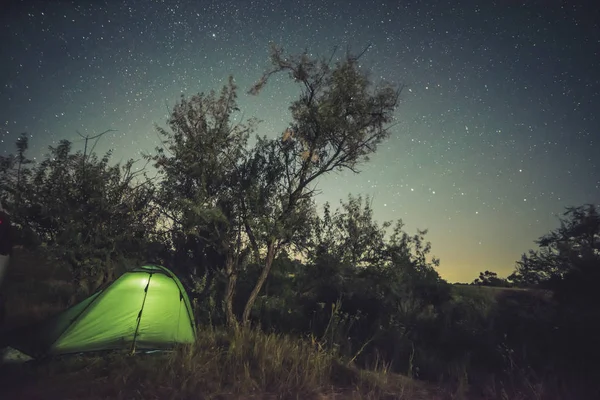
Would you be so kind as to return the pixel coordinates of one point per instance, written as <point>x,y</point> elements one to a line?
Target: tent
<point>145,308</point>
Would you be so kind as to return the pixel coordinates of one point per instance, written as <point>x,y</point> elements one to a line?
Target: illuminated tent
<point>145,308</point>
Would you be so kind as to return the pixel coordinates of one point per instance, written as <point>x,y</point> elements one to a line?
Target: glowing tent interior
<point>145,308</point>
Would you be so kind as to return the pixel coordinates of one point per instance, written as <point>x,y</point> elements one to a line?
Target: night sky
<point>498,127</point>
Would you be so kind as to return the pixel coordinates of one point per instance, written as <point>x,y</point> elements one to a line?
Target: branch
<point>253,241</point>
<point>356,58</point>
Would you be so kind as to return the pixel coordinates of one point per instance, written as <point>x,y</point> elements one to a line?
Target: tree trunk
<point>230,291</point>
<point>259,284</point>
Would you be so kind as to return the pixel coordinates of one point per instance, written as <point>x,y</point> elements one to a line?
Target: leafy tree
<point>338,121</point>
<point>201,188</point>
<point>21,161</point>
<point>570,250</point>
<point>568,263</point>
<point>362,287</point>
<point>87,214</point>
<point>13,171</point>
<point>489,278</point>
<point>351,234</point>
<point>243,203</point>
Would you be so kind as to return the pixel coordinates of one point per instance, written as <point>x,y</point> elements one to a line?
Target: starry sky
<point>497,130</point>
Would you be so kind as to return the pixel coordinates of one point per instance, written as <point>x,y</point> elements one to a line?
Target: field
<point>491,293</point>
<point>220,365</point>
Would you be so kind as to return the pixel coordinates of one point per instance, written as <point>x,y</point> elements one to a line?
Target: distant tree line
<point>489,278</point>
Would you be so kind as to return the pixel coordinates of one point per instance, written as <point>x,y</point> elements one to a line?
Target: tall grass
<point>247,361</point>
<point>221,364</point>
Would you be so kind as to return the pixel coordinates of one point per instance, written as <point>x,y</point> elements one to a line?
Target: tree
<point>378,284</point>
<point>489,278</point>
<point>201,191</point>
<point>568,265</point>
<point>256,202</point>
<point>338,121</point>
<point>351,235</point>
<point>22,161</point>
<point>571,249</point>
<point>14,171</point>
<point>87,214</point>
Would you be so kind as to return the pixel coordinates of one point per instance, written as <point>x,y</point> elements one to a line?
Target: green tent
<point>145,308</point>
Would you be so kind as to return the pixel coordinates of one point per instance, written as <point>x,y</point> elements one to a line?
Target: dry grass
<point>220,365</point>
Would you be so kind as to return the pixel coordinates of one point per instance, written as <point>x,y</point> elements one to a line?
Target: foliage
<point>199,194</point>
<point>568,264</point>
<point>359,288</point>
<point>350,235</point>
<point>220,196</point>
<point>489,278</point>
<point>566,253</point>
<point>84,212</point>
<point>338,121</point>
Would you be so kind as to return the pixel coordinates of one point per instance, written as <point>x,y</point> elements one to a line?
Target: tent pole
<point>139,318</point>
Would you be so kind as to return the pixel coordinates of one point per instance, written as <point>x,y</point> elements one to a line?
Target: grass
<point>222,364</point>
